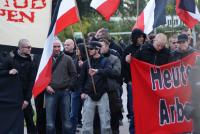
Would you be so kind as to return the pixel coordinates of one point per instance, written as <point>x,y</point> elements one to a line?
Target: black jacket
<point>104,69</point>
<point>126,66</point>
<point>26,71</point>
<point>78,69</point>
<point>150,55</point>
<point>177,55</point>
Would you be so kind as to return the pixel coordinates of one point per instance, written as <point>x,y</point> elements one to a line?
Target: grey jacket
<point>116,65</point>
<point>64,73</point>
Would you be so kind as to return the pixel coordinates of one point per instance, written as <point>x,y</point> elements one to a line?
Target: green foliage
<point>92,21</point>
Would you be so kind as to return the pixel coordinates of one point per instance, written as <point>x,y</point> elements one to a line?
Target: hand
<point>13,71</point>
<point>128,58</point>
<point>83,96</point>
<point>80,63</point>
<point>50,90</point>
<point>92,71</point>
<point>25,105</point>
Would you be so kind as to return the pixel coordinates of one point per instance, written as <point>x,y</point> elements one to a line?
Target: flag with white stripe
<point>153,15</point>
<point>105,7</point>
<point>188,12</point>
<point>65,14</point>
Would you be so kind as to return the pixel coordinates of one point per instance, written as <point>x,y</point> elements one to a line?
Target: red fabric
<point>147,102</point>
<point>108,8</point>
<point>69,18</point>
<point>140,22</point>
<point>43,79</point>
<point>185,17</point>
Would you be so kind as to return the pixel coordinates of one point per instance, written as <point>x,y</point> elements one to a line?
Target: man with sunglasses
<point>94,90</point>
<point>22,62</point>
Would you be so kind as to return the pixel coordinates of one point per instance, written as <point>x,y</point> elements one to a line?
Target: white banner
<point>28,19</point>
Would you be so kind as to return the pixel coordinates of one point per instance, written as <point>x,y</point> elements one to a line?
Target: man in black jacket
<point>155,53</point>
<point>94,88</point>
<point>22,62</point>
<point>11,114</point>
<point>69,49</point>
<point>138,39</point>
<point>184,48</point>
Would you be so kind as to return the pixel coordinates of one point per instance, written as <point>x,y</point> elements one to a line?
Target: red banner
<point>159,96</point>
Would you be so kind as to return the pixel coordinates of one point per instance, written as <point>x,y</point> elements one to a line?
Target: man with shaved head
<point>155,53</point>
<point>58,91</point>
<point>69,49</point>
<point>22,60</point>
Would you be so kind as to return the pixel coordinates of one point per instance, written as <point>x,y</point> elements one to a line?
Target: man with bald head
<point>22,62</point>
<point>155,53</point>
<point>58,91</point>
<point>69,49</point>
<point>69,46</point>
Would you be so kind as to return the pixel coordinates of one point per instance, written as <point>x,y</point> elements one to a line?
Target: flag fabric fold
<point>105,7</point>
<point>65,14</point>
<point>152,16</point>
<point>188,12</point>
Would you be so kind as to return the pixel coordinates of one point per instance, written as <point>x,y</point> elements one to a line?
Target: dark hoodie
<point>150,55</point>
<point>132,48</point>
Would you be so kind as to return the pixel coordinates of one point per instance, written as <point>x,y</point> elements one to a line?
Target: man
<point>173,44</point>
<point>22,62</point>
<point>138,38</point>
<point>156,53</point>
<point>69,49</point>
<point>94,90</point>
<point>58,91</point>
<point>184,48</point>
<point>114,86</point>
<point>11,114</point>
<point>188,32</point>
<point>103,33</point>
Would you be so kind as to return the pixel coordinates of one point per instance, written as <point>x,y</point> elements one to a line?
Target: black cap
<point>182,38</point>
<point>94,44</point>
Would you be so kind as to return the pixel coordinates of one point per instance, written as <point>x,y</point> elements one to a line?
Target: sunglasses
<point>28,47</point>
<point>91,48</point>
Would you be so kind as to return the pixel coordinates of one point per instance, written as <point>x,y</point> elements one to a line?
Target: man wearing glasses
<point>94,90</point>
<point>23,64</point>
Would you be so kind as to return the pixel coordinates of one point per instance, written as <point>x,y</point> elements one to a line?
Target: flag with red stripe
<point>153,15</point>
<point>105,7</point>
<point>65,14</point>
<point>188,12</point>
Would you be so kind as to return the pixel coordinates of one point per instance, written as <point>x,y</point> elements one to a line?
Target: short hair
<point>162,37</point>
<point>105,41</point>
<point>22,42</point>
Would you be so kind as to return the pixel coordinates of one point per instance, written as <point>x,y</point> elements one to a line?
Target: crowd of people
<point>86,83</point>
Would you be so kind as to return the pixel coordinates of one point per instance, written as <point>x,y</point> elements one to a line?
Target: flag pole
<point>77,49</point>
<point>86,51</point>
<point>137,12</point>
